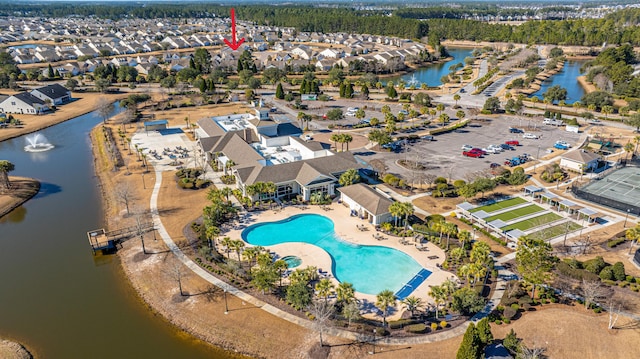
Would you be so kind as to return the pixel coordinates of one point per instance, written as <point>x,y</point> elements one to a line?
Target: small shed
<point>155,125</point>
<point>531,190</point>
<point>366,203</point>
<point>589,214</point>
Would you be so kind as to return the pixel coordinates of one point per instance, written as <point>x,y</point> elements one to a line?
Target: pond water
<point>567,78</point>
<point>57,298</point>
<point>431,74</point>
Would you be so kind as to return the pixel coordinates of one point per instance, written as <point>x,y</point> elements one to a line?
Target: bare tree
<point>322,311</point>
<point>614,312</point>
<point>429,179</point>
<point>105,107</point>
<point>176,272</point>
<point>125,195</point>
<point>592,291</point>
<point>585,244</point>
<point>141,227</point>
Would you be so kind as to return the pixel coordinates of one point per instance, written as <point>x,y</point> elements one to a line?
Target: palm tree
<point>412,304</point>
<point>443,118</point>
<point>6,167</point>
<point>450,228</point>
<point>250,254</point>
<point>636,140</point>
<point>324,288</point>
<point>464,236</point>
<point>384,300</point>
<point>607,110</point>
<point>401,209</point>
<point>460,114</point>
<point>440,107</point>
<point>456,98</point>
<point>237,245</point>
<point>335,138</point>
<point>226,191</point>
<point>212,232</point>
<point>480,253</point>
<point>345,292</point>
<point>628,148</point>
<point>281,266</point>
<point>632,234</point>
<point>227,243</point>
<point>347,138</point>
<point>465,271</point>
<point>439,296</point>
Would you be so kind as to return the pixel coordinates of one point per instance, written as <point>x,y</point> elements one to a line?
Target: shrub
<point>416,328</point>
<point>614,242</point>
<point>507,321</point>
<point>515,306</point>
<point>618,271</point>
<point>434,327</point>
<point>509,312</point>
<point>595,265</point>
<point>631,279</point>
<point>579,274</point>
<point>443,324</point>
<point>607,273</point>
<point>397,324</point>
<point>597,310</point>
<point>498,321</point>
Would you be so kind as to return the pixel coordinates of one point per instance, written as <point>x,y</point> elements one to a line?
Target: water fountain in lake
<point>37,143</point>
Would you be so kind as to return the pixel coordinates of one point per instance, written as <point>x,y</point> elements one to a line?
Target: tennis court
<point>533,222</point>
<point>555,231</point>
<point>621,186</point>
<point>519,212</point>
<point>500,205</point>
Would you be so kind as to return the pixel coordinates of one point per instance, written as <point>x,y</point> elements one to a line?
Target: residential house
<point>366,203</point>
<point>55,94</point>
<point>303,52</point>
<point>23,103</point>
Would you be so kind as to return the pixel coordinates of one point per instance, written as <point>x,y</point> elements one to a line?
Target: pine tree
<point>303,87</point>
<point>365,90</point>
<point>211,86</point>
<point>192,64</point>
<point>470,346</point>
<point>316,87</point>
<point>203,85</point>
<point>484,331</point>
<point>50,74</point>
<point>279,92</point>
<point>342,90</point>
<point>240,68</point>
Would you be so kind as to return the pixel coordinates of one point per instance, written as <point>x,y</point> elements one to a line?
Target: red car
<point>512,143</point>
<point>473,153</point>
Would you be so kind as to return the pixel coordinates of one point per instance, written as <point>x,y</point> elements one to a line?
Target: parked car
<point>530,135</point>
<point>515,130</point>
<point>467,147</point>
<point>562,145</point>
<point>475,153</point>
<point>512,143</point>
<point>428,138</point>
<point>495,148</point>
<point>505,147</point>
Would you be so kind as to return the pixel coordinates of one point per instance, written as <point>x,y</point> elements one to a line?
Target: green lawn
<point>533,222</point>
<point>519,212</point>
<point>500,205</point>
<point>555,231</point>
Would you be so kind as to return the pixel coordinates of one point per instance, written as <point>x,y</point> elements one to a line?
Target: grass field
<point>533,222</point>
<point>555,231</point>
<point>500,205</point>
<point>519,212</point>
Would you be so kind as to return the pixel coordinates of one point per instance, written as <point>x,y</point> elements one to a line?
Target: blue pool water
<point>292,261</point>
<point>371,269</point>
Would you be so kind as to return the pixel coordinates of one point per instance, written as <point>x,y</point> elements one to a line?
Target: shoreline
<point>23,189</point>
<point>13,350</point>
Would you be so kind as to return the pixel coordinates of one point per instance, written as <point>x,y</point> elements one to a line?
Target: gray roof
<point>480,214</point>
<point>498,223</point>
<point>466,206</point>
<point>516,233</point>
<point>368,198</point>
<point>210,127</point>
<point>587,211</point>
<point>568,203</point>
<point>53,91</point>
<point>581,156</point>
<point>28,98</point>
<point>533,188</point>
<point>549,195</point>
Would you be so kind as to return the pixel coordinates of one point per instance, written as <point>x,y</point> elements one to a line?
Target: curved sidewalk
<point>444,335</point>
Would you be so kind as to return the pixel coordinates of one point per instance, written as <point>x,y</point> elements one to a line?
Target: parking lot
<point>443,156</point>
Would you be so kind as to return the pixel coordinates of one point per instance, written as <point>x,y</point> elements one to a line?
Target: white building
<point>579,161</point>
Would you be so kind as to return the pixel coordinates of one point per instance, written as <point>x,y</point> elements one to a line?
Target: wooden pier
<point>101,240</point>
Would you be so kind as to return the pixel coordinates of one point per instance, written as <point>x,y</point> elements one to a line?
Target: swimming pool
<point>371,269</point>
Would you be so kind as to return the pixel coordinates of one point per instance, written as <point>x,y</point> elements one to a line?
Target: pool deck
<point>347,228</point>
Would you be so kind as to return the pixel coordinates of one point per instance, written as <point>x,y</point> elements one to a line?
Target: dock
<point>102,240</point>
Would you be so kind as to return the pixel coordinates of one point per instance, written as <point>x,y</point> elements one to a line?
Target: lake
<point>57,298</point>
<point>567,78</point>
<point>431,74</point>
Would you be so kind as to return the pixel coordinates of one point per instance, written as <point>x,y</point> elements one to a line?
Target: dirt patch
<point>13,350</point>
<point>573,332</point>
<point>22,189</point>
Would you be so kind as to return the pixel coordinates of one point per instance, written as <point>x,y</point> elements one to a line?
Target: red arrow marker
<point>233,45</point>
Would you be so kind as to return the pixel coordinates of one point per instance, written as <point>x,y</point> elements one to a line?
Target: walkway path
<point>444,335</point>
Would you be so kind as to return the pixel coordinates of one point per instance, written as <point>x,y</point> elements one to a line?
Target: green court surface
<point>500,205</point>
<point>519,212</point>
<point>533,222</point>
<point>555,231</point>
